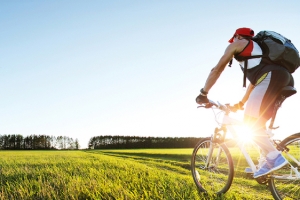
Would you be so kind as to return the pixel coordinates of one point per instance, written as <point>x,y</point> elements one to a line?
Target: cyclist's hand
<point>200,99</point>
<point>237,106</point>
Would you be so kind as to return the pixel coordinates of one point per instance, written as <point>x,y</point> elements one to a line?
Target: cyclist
<point>266,80</point>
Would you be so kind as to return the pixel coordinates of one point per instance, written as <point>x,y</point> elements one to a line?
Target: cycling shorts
<point>261,101</point>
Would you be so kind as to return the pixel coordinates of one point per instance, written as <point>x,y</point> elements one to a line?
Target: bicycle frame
<point>228,123</point>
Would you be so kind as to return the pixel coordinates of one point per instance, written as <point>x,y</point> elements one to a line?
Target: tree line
<point>127,142</point>
<point>45,142</point>
<point>37,142</point>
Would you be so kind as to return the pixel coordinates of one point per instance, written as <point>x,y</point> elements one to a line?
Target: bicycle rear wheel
<point>212,174</point>
<point>285,182</point>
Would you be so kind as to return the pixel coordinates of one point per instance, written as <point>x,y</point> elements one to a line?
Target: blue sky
<point>88,68</point>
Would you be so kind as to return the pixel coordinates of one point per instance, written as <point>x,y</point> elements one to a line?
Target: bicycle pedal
<point>263,180</point>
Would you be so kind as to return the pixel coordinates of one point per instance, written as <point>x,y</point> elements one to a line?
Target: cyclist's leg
<point>259,110</point>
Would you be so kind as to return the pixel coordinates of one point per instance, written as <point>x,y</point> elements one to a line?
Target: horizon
<point>127,67</point>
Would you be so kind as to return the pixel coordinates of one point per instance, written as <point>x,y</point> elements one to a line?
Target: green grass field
<point>112,174</point>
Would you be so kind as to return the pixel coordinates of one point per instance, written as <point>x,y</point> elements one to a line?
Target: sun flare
<point>244,134</point>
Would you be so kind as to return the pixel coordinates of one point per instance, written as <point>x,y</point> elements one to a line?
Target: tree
<point>77,146</point>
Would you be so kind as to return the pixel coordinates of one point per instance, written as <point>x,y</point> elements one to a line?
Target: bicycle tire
<point>281,187</point>
<point>217,177</point>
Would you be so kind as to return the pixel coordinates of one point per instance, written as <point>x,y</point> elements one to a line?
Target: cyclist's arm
<point>218,69</point>
<point>248,92</point>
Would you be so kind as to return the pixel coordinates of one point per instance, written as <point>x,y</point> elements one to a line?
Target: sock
<point>273,154</point>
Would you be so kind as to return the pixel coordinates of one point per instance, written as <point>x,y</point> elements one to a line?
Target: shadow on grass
<point>179,160</point>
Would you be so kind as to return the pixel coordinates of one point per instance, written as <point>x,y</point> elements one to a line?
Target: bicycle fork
<point>217,138</point>
<point>209,155</point>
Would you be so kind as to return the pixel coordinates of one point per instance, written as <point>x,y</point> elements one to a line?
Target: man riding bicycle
<point>266,80</point>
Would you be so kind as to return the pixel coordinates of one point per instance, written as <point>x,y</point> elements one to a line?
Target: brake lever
<point>200,106</point>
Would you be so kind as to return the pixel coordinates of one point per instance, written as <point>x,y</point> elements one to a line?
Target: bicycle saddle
<point>288,91</point>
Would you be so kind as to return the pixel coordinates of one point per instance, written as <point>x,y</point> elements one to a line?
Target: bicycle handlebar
<point>225,108</point>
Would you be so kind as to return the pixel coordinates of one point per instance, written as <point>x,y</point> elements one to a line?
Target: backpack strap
<point>246,66</point>
<point>245,59</point>
<point>230,63</point>
<point>245,72</point>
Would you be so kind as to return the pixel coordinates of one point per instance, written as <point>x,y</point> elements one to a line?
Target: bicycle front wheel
<point>285,182</point>
<point>212,167</point>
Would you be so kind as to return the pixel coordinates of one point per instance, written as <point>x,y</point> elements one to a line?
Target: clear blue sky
<point>89,68</point>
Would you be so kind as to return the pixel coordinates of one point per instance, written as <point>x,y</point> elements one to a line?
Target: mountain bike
<point>213,167</point>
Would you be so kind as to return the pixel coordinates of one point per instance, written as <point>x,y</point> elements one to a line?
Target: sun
<point>244,134</point>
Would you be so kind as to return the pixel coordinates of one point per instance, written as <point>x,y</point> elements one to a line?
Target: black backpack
<point>276,49</point>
